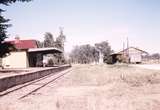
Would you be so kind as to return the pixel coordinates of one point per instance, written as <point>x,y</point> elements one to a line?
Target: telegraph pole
<point>123,48</point>
<point>128,50</point>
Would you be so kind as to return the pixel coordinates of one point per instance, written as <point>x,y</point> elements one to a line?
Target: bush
<point>109,60</point>
<point>39,64</point>
<point>50,62</point>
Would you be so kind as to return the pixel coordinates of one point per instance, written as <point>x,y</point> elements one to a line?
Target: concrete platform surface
<point>8,72</point>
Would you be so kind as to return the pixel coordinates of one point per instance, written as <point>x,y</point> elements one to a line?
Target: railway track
<point>25,90</point>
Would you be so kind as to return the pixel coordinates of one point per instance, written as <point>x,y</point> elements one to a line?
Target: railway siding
<point>11,81</point>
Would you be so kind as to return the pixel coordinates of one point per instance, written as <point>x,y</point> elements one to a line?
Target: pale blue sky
<point>89,21</point>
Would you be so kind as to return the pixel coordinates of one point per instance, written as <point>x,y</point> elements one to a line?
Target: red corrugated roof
<point>24,44</point>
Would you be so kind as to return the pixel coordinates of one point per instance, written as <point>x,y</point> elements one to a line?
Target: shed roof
<point>135,49</point>
<point>24,44</point>
<point>44,50</point>
<point>115,54</point>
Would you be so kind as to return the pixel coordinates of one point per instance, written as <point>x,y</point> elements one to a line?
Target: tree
<point>59,43</point>
<point>84,54</point>
<point>74,55</point>
<point>155,56</point>
<point>7,2</point>
<point>105,48</point>
<point>60,40</point>
<point>40,44</point>
<point>88,54</point>
<point>48,40</point>
<point>5,47</point>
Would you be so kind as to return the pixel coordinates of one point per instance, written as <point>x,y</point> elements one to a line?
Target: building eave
<point>44,50</point>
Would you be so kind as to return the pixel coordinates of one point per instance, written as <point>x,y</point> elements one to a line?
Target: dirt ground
<point>94,87</point>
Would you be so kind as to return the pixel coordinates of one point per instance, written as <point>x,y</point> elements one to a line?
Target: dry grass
<point>97,87</point>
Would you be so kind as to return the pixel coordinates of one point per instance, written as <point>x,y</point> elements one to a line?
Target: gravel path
<point>91,87</point>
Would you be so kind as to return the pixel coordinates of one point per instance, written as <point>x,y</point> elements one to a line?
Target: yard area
<point>95,87</point>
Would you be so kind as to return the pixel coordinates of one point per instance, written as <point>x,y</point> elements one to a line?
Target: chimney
<point>17,39</point>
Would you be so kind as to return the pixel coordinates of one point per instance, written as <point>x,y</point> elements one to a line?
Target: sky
<point>89,22</point>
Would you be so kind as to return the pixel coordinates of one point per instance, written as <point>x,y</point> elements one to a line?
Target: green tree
<point>59,43</point>
<point>105,48</point>
<point>60,40</point>
<point>7,2</point>
<point>48,40</point>
<point>155,56</point>
<point>84,54</point>
<point>5,47</point>
<point>88,54</point>
<point>40,44</point>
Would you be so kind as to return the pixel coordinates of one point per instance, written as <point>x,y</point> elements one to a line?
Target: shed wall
<point>16,60</point>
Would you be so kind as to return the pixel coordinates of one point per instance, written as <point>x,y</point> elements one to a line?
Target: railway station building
<point>27,54</point>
